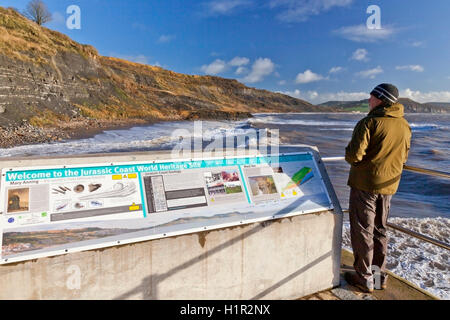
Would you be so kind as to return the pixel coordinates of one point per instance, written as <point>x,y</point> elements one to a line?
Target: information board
<point>48,211</point>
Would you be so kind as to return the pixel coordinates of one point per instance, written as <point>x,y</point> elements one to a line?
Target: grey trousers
<point>368,217</point>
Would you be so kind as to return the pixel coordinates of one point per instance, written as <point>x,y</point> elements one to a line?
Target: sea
<point>422,202</point>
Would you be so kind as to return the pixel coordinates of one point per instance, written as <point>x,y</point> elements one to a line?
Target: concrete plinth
<point>280,259</point>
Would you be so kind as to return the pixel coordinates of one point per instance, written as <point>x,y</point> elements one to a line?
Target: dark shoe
<point>354,280</point>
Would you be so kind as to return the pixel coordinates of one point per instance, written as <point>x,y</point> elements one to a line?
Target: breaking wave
<point>419,262</point>
<point>158,136</point>
<point>334,124</point>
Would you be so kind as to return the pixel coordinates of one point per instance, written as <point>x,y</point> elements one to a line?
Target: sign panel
<point>50,211</point>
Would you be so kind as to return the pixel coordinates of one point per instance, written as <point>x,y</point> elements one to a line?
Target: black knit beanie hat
<point>386,92</point>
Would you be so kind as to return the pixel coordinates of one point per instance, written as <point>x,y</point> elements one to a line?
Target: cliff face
<point>412,106</point>
<point>47,79</point>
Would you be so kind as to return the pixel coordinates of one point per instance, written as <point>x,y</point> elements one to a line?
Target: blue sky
<point>317,50</point>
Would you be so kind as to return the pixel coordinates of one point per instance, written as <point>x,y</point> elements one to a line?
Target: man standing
<point>377,152</point>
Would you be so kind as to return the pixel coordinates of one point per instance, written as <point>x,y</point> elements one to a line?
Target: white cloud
<point>261,68</point>
<point>239,61</point>
<point>219,66</point>
<point>296,94</point>
<point>308,76</point>
<point>215,67</point>
<point>313,95</point>
<point>140,58</point>
<point>223,7</point>
<point>140,26</point>
<point>371,73</point>
<point>417,44</point>
<point>422,97</point>
<point>360,55</point>
<point>164,38</point>
<point>360,33</point>
<point>343,96</point>
<point>301,10</point>
<point>416,68</point>
<point>317,98</point>
<point>241,70</point>
<point>336,70</point>
<point>282,82</point>
<point>58,18</point>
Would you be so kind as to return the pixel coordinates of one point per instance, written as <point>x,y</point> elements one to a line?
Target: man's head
<point>374,102</point>
<point>383,93</point>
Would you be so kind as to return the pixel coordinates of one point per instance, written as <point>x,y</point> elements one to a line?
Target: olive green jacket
<point>378,150</point>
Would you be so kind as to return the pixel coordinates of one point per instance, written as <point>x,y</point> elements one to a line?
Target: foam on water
<point>157,136</point>
<point>343,125</point>
<point>419,262</point>
<point>283,121</point>
<point>163,135</point>
<point>336,129</point>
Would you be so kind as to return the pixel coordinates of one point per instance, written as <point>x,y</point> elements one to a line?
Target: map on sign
<point>48,211</point>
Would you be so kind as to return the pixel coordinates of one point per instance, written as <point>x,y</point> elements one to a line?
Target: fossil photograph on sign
<point>262,185</point>
<point>18,200</point>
